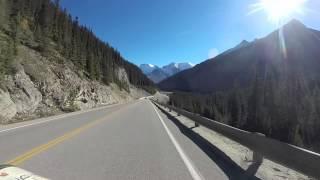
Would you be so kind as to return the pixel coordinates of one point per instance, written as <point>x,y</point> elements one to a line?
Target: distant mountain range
<point>157,74</point>
<point>293,49</point>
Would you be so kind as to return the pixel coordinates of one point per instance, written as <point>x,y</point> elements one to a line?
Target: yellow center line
<point>37,150</point>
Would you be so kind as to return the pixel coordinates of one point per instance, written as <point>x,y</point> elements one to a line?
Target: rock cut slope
<point>50,63</point>
<point>41,88</point>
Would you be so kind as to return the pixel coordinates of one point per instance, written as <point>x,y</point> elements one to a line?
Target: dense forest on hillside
<point>43,26</point>
<point>285,110</point>
<point>262,86</point>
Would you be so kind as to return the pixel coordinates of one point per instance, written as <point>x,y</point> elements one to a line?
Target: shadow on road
<point>226,164</point>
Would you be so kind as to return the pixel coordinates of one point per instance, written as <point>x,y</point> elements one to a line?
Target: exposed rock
<point>23,92</point>
<point>7,107</point>
<point>122,76</point>
<point>41,88</point>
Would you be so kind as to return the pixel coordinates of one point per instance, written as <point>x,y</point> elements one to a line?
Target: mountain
<point>148,68</point>
<point>175,68</point>
<point>50,64</point>
<point>270,86</point>
<point>239,66</point>
<point>184,66</point>
<point>157,74</point>
<point>244,43</point>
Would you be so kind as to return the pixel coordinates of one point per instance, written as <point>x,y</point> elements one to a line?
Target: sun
<point>279,10</point>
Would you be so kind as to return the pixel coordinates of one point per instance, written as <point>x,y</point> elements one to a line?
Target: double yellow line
<point>28,155</point>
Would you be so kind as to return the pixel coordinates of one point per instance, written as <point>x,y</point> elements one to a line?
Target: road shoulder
<point>236,153</point>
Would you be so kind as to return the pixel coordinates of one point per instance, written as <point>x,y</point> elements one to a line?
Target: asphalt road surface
<point>129,141</point>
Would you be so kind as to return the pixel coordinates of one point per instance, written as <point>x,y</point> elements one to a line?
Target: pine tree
<point>54,30</point>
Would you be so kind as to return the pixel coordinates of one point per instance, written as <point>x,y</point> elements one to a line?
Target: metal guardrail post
<point>257,157</point>
<point>196,124</point>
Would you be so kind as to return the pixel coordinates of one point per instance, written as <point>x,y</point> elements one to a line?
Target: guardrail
<point>304,161</point>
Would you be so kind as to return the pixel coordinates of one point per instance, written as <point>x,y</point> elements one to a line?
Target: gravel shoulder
<point>242,155</point>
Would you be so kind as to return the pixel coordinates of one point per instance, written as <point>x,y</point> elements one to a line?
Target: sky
<point>163,31</point>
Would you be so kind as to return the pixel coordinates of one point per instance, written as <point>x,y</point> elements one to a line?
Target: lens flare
<point>279,10</point>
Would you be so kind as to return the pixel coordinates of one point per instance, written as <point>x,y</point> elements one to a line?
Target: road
<point>129,141</point>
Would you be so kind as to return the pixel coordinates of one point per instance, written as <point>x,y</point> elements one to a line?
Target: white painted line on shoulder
<point>58,117</point>
<point>192,169</point>
<point>27,125</point>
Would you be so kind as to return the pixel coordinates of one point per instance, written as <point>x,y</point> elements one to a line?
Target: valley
<point>263,86</point>
<point>157,74</point>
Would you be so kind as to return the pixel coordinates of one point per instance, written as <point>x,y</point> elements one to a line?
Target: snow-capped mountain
<point>157,74</point>
<point>148,68</point>
<point>174,68</point>
<point>185,66</point>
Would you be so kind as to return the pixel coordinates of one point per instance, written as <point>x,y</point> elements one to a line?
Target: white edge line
<point>192,170</point>
<point>58,117</point>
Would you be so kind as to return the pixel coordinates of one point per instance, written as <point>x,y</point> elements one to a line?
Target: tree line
<point>44,26</point>
<point>282,106</point>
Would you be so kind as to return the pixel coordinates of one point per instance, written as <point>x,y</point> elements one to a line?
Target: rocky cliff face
<point>41,87</point>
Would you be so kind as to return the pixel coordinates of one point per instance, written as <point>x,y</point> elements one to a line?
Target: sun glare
<point>279,10</point>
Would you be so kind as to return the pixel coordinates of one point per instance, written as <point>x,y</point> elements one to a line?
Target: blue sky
<point>163,31</point>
